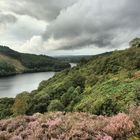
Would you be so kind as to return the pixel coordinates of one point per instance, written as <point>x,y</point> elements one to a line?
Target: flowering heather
<point>119,125</point>
<point>103,137</point>
<point>69,126</point>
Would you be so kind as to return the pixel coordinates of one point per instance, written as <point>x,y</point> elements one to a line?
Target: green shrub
<point>5,107</point>
<point>6,68</point>
<point>39,104</point>
<point>21,103</point>
<point>55,105</point>
<point>92,80</point>
<point>137,95</point>
<point>108,107</point>
<point>78,80</point>
<point>67,96</point>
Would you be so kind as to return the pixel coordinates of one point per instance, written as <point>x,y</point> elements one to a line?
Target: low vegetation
<point>72,126</point>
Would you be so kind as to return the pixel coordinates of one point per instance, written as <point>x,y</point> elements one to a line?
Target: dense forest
<point>105,85</point>
<point>12,62</point>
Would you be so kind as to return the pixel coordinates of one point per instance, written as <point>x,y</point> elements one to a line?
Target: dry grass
<point>17,64</point>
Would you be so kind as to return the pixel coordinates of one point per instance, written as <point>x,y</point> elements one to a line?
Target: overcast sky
<point>68,27</point>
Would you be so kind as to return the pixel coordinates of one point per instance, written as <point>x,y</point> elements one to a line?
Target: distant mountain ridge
<point>13,62</point>
<point>79,58</point>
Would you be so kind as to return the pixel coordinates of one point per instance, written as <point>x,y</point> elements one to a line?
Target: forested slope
<point>105,85</point>
<point>12,62</point>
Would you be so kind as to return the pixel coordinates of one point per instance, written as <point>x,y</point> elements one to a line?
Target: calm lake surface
<point>12,85</point>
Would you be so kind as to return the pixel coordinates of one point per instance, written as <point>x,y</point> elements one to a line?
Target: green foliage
<point>38,104</point>
<point>92,80</point>
<point>70,98</point>
<point>5,107</point>
<point>21,103</point>
<point>135,43</point>
<point>42,63</point>
<point>67,97</point>
<point>104,85</point>
<point>75,59</point>
<point>108,107</point>
<point>137,95</point>
<point>55,105</point>
<point>6,68</point>
<point>78,80</point>
<point>9,52</point>
<point>28,62</point>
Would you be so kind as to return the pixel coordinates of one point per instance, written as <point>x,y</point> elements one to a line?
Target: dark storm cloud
<point>81,42</point>
<point>41,9</point>
<point>100,22</point>
<point>75,24</point>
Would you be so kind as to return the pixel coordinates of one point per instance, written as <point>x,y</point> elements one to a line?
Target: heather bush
<point>119,126</point>
<point>16,138</point>
<point>103,137</point>
<point>71,126</point>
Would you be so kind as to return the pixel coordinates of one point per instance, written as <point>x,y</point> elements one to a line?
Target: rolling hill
<point>105,90</point>
<point>12,62</point>
<point>105,85</point>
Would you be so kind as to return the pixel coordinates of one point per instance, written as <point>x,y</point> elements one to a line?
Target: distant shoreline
<point>25,72</point>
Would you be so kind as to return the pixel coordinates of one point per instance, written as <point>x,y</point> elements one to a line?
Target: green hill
<point>12,62</point>
<point>104,85</point>
<point>106,88</point>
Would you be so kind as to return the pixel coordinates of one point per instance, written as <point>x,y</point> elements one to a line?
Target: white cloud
<point>27,26</point>
<point>34,45</point>
<point>24,29</point>
<point>95,23</point>
<point>52,26</point>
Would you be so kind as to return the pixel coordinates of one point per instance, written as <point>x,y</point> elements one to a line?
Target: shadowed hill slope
<point>12,62</point>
